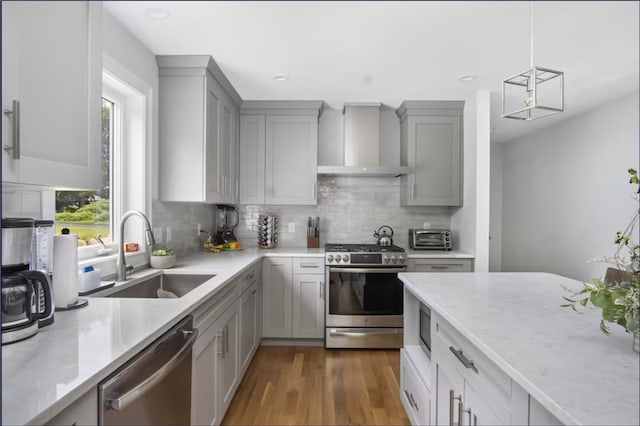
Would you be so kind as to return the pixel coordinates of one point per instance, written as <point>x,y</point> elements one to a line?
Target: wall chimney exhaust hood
<point>361,140</point>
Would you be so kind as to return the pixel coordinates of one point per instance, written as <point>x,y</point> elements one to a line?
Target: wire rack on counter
<point>267,230</point>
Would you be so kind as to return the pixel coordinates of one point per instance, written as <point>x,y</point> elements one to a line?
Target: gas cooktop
<point>364,255</point>
<point>361,248</point>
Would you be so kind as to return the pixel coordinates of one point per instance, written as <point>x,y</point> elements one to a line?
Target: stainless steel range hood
<point>370,142</point>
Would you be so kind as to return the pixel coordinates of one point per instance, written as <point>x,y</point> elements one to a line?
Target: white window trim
<point>131,160</point>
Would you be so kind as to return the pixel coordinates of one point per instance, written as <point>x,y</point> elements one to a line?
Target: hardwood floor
<point>287,385</point>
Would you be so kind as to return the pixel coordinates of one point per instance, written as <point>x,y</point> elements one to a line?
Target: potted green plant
<point>618,296</point>
<point>163,258</point>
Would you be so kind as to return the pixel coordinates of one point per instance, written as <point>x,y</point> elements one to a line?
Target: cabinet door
<point>479,411</point>
<point>225,151</point>
<point>308,305</point>
<point>52,65</point>
<point>435,155</point>
<point>252,141</point>
<point>277,297</point>
<point>228,371</point>
<point>213,178</point>
<point>204,389</point>
<point>449,392</point>
<point>291,166</point>
<point>248,325</point>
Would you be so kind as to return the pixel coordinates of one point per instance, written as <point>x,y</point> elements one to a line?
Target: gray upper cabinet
<point>431,145</point>
<point>279,152</point>
<point>52,73</point>
<point>199,121</point>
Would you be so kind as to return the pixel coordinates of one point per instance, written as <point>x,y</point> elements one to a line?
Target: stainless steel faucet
<point>122,267</point>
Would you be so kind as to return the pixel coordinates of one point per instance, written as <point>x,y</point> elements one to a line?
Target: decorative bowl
<point>162,262</point>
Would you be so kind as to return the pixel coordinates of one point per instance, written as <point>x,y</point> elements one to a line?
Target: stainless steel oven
<point>364,296</point>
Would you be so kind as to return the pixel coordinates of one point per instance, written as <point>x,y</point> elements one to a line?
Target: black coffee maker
<point>26,293</point>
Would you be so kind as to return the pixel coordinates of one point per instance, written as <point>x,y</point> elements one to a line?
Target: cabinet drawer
<point>440,265</point>
<point>308,265</point>
<point>488,374</point>
<point>415,395</point>
<point>247,279</point>
<point>206,314</point>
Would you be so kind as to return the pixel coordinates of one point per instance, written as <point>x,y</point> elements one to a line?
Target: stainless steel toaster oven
<point>430,239</point>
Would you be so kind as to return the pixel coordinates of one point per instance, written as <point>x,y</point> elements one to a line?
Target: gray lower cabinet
<point>250,316</point>
<point>431,145</point>
<point>198,148</point>
<point>439,265</point>
<point>278,152</point>
<point>293,297</point>
<point>216,369</point>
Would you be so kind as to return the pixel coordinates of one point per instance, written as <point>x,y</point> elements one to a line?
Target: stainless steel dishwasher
<point>155,386</point>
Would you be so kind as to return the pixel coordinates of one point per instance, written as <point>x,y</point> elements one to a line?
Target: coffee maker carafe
<point>227,222</point>
<point>26,293</point>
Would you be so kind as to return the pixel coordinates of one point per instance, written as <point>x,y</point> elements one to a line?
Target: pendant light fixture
<point>534,93</point>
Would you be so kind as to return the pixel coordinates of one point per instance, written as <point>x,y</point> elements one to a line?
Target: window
<point>126,116</point>
<point>89,213</point>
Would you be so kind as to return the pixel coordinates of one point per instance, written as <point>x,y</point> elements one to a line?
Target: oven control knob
<point>394,259</point>
<point>386,260</point>
<point>345,258</point>
<point>403,260</point>
<point>329,258</point>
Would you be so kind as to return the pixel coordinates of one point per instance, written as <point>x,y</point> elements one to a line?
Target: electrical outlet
<point>168,233</point>
<point>426,225</point>
<point>292,227</point>
<point>157,234</point>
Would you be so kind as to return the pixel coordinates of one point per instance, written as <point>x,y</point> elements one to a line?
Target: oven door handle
<point>360,332</point>
<point>369,270</point>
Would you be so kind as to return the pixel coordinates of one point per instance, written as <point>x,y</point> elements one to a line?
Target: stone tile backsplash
<point>183,219</point>
<point>350,210</point>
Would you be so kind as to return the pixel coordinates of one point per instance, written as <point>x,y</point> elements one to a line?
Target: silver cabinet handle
<point>362,332</point>
<point>237,189</point>
<point>309,265</point>
<point>463,359</point>
<point>322,290</point>
<point>254,291</point>
<point>125,400</point>
<point>468,411</point>
<point>413,191</point>
<point>219,351</point>
<point>15,123</point>
<point>368,270</point>
<point>442,267</point>
<point>451,410</point>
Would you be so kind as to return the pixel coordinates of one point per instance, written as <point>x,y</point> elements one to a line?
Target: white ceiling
<point>390,51</point>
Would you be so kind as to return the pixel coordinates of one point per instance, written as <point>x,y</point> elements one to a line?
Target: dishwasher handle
<point>125,400</point>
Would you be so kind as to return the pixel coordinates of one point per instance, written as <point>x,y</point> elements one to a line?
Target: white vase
<point>162,262</point>
<point>636,341</point>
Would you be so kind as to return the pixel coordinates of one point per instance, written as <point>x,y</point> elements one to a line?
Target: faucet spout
<point>121,264</point>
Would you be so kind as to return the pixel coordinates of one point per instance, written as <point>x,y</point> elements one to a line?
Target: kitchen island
<point>514,322</point>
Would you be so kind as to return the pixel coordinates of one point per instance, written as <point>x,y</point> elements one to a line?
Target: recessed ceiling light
<point>468,77</point>
<point>157,13</point>
<point>281,77</point>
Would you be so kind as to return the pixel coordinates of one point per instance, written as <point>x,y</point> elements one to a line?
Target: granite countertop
<point>45,373</point>
<point>559,357</point>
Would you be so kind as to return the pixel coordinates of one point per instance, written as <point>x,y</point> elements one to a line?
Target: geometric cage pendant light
<point>534,93</point>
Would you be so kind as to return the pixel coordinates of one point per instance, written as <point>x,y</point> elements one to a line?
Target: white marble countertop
<point>44,374</point>
<point>559,357</point>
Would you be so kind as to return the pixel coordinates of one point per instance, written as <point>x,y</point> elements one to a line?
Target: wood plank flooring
<point>288,385</point>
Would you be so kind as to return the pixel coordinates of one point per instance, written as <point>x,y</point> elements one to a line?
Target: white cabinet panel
<point>248,326</point>
<point>204,378</point>
<point>229,372</point>
<point>83,411</point>
<point>414,393</point>
<point>52,65</point>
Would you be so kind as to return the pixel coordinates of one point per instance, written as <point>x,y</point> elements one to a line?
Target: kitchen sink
<point>178,284</point>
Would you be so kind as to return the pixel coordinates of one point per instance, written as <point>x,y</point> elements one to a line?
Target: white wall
<point>495,225</point>
<point>566,191</point>
<point>470,223</point>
